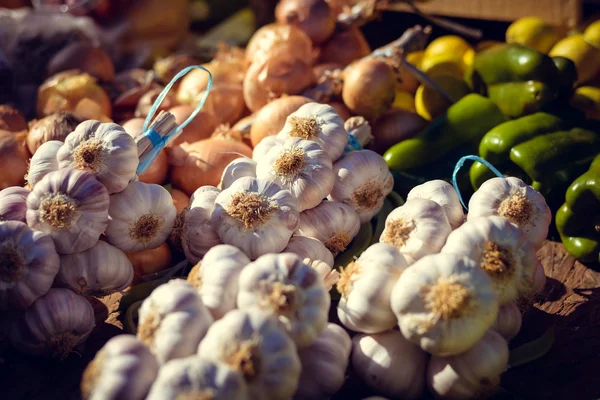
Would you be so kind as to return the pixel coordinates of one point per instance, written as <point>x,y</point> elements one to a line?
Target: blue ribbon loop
<point>157,141</point>
<point>459,165</point>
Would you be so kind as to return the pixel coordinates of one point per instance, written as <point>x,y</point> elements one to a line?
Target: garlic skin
<point>474,374</point>
<point>140,217</point>
<point>263,147</point>
<point>13,204</point>
<point>363,181</point>
<point>43,162</point>
<point>255,344</point>
<point>501,250</point>
<point>519,203</point>
<point>418,228</point>
<point>193,377</point>
<point>444,194</point>
<point>54,324</point>
<point>255,215</point>
<point>389,364</point>
<point>173,320</point>
<point>197,233</point>
<point>324,364</point>
<point>539,278</point>
<point>509,321</point>
<point>28,265</point>
<point>300,166</point>
<point>335,224</point>
<point>366,285</point>
<point>444,303</point>
<point>319,123</point>
<point>282,285</point>
<point>308,247</point>
<point>98,271</point>
<point>103,149</point>
<point>236,169</point>
<point>329,275</point>
<point>71,206</point>
<point>123,369</point>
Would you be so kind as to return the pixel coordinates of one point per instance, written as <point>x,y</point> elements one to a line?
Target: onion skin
<point>244,126</point>
<point>180,199</point>
<point>158,171</point>
<point>11,119</point>
<point>149,98</point>
<point>395,126</point>
<point>200,128</point>
<point>275,36</point>
<point>312,16</point>
<point>14,158</point>
<point>271,118</point>
<point>150,261</point>
<point>320,69</point>
<point>53,127</point>
<point>166,68</point>
<point>341,109</point>
<point>225,102</point>
<point>84,57</point>
<point>196,81</point>
<point>345,47</point>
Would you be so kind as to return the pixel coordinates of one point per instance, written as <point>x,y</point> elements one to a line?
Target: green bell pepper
<point>517,99</point>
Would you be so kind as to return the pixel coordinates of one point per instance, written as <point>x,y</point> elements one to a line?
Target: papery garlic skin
<point>103,149</point>
<point>519,203</point>
<point>71,206</point>
<point>335,224</point>
<point>308,247</point>
<point>363,181</point>
<point>98,271</point>
<point>28,265</point>
<point>319,123</point>
<point>197,233</point>
<point>236,169</point>
<point>444,303</point>
<point>324,364</point>
<point>300,166</point>
<point>418,228</point>
<point>123,369</point>
<point>255,215</point>
<point>54,324</point>
<point>509,321</point>
<point>444,194</point>
<point>539,278</point>
<point>43,161</point>
<point>140,217</point>
<point>13,204</point>
<point>255,344</point>
<point>282,285</point>
<point>263,147</point>
<point>389,364</point>
<point>366,286</point>
<point>329,275</point>
<point>173,320</point>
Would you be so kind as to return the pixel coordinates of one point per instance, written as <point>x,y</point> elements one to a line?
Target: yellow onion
<point>149,98</point>
<point>180,199</point>
<point>271,118</point>
<point>225,102</point>
<point>84,57</point>
<point>148,262</point>
<point>274,36</point>
<point>199,128</point>
<point>11,119</point>
<point>53,127</point>
<point>312,16</point>
<point>157,171</point>
<point>393,127</point>
<point>14,158</point>
<point>341,109</point>
<point>167,67</point>
<point>344,47</point>
<point>320,69</point>
<point>244,126</point>
<point>337,6</point>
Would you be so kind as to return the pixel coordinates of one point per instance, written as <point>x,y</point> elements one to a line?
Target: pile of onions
<point>157,171</point>
<point>344,47</point>
<point>314,17</point>
<point>148,99</point>
<point>226,102</point>
<point>84,57</point>
<point>271,118</point>
<point>274,36</point>
<point>14,158</point>
<point>11,119</point>
<point>199,128</point>
<point>393,127</point>
<point>166,68</point>
<point>53,127</point>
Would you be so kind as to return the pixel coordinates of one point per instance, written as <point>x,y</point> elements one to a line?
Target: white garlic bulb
<point>324,364</point>
<point>43,161</point>
<point>236,169</point>
<point>418,228</point>
<point>362,180</point>
<point>54,324</point>
<point>71,206</point>
<point>255,215</point>
<point>366,285</point>
<point>123,369</point>
<point>509,321</point>
<point>98,271</point>
<point>282,285</point>
<point>389,364</point>
<point>140,217</point>
<point>319,123</point>
<point>173,320</point>
<point>13,204</point>
<point>255,344</point>
<point>300,166</point>
<point>519,203</point>
<point>308,247</point>
<point>263,147</point>
<point>329,275</point>
<point>28,265</point>
<point>444,194</point>
<point>195,229</point>
<point>335,224</point>
<point>444,303</point>
<point>501,250</point>
<point>103,149</point>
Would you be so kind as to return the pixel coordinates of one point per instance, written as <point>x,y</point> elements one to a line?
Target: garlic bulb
<point>256,345</point>
<point>43,161</point>
<point>519,203</point>
<point>71,206</point>
<point>195,378</point>
<point>255,215</point>
<point>13,204</point>
<point>197,233</point>
<point>444,303</point>
<point>236,169</point>
<point>444,194</point>
<point>173,320</point>
<point>28,265</point>
<point>335,224</point>
<point>319,123</point>
<point>216,278</point>
<point>300,166</point>
<point>308,247</point>
<point>324,364</point>
<point>508,323</point>
<point>474,374</point>
<point>282,285</point>
<point>98,271</point>
<point>329,275</point>
<point>123,369</point>
<point>362,180</point>
<point>539,278</point>
<point>54,324</point>
<point>140,217</point>
<point>389,364</point>
<point>501,250</point>
<point>263,147</point>
<point>418,228</point>
<point>366,285</point>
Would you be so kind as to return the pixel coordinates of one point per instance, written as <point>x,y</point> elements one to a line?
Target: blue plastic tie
<point>157,141</point>
<point>353,144</point>
<point>459,165</point>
